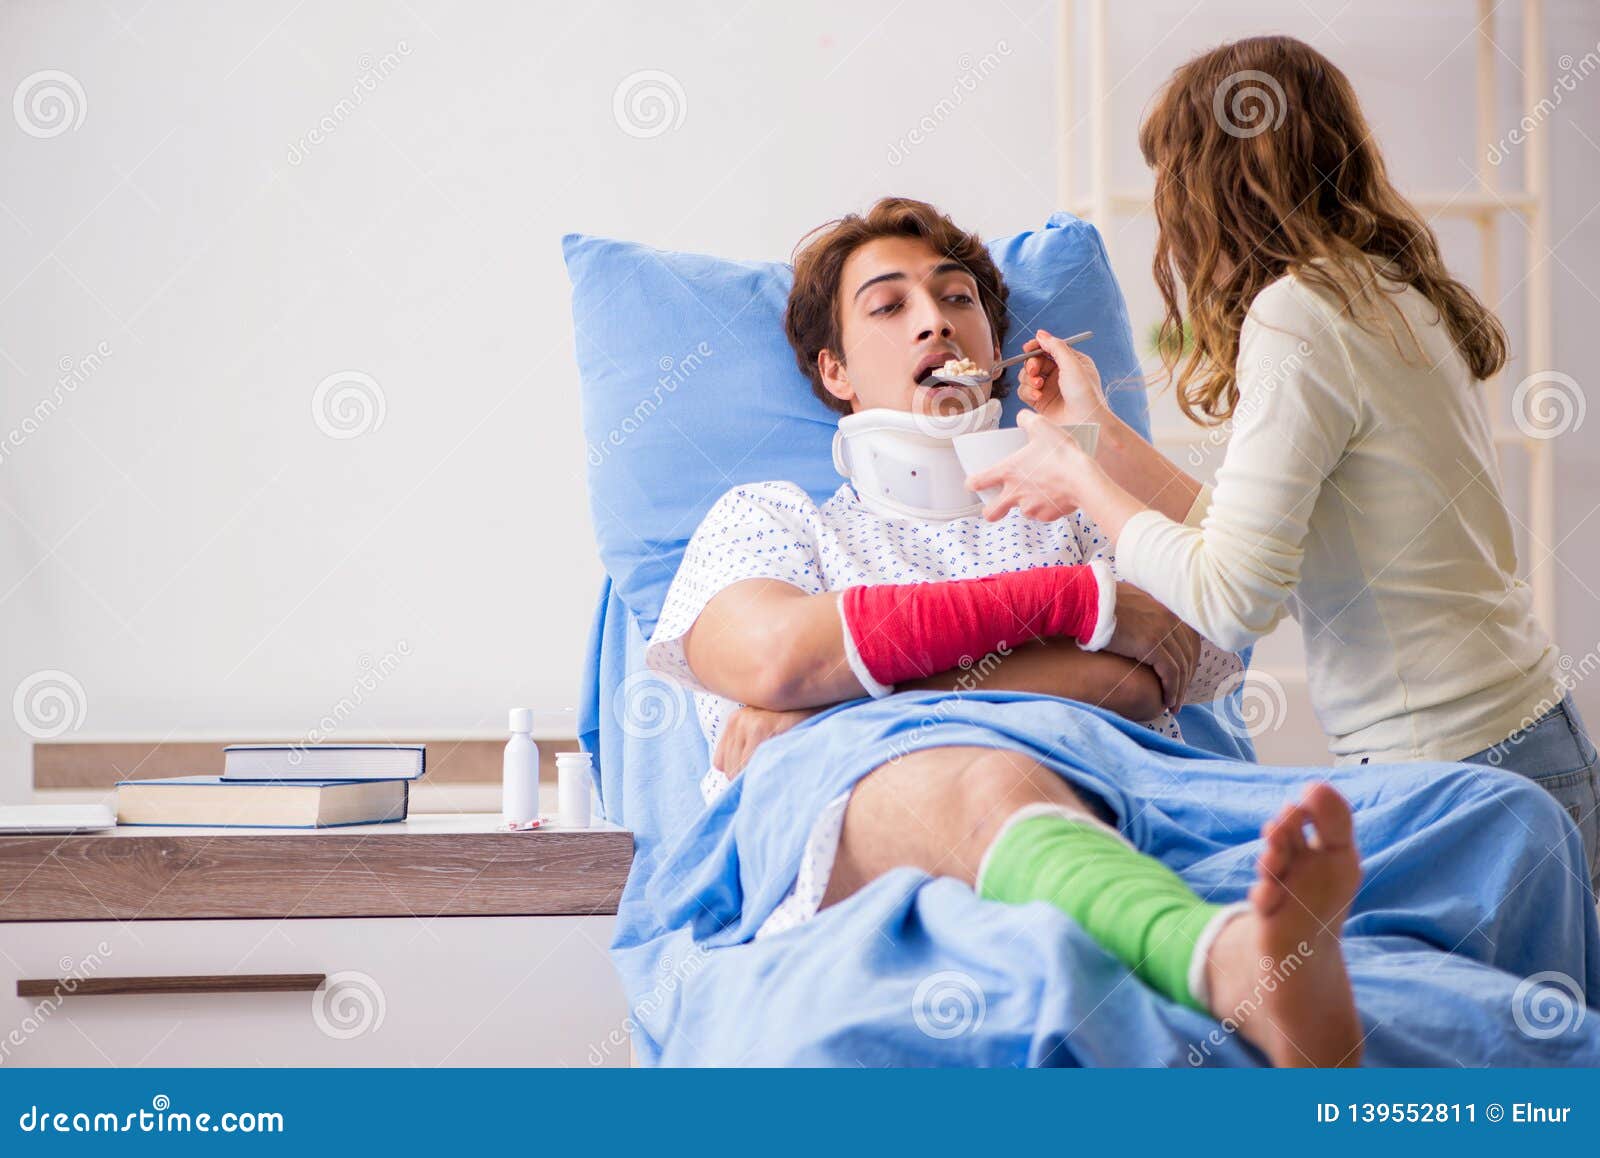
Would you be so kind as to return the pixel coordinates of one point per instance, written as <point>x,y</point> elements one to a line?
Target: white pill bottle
<point>519,782</point>
<point>573,780</point>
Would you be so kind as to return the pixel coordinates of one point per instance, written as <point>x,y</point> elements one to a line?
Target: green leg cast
<point>1133,905</point>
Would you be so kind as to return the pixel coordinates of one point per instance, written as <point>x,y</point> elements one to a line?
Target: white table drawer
<point>480,991</point>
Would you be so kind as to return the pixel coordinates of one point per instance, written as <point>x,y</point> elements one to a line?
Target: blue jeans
<point>1555,753</point>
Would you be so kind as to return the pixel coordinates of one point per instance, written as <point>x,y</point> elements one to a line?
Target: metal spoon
<point>989,375</point>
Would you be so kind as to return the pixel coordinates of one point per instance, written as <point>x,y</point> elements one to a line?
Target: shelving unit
<point>1485,207</point>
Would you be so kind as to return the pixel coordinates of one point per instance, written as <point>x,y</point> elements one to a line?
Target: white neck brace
<point>904,465</point>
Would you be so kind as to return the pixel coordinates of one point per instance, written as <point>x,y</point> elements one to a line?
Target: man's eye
<point>885,309</point>
<point>964,299</point>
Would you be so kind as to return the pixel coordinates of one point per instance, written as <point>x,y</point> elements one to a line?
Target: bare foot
<point>1277,970</point>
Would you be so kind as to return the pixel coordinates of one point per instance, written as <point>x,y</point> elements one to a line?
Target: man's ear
<point>834,378</point>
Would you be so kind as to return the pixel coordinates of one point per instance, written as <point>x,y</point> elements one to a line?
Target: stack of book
<point>282,786</point>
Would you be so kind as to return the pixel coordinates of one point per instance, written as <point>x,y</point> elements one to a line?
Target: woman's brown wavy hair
<point>1265,166</point>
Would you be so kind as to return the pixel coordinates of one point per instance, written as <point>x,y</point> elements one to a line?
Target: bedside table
<point>433,941</point>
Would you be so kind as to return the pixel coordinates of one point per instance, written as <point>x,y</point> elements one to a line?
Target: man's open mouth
<point>932,362</point>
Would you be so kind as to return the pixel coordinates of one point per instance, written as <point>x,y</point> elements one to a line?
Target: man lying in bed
<point>786,607</point>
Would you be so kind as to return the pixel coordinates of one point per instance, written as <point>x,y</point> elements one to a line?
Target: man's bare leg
<point>937,810</point>
<point>1278,970</point>
<point>940,809</point>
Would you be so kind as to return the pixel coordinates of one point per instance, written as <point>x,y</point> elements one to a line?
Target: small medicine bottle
<point>574,772</point>
<point>519,785</point>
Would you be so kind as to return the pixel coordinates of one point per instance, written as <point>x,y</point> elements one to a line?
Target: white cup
<point>982,449</point>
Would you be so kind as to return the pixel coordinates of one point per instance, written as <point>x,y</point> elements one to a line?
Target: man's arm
<point>1058,667</point>
<point>765,643</point>
<point>1045,667</point>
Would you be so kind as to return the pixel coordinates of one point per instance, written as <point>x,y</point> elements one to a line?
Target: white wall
<point>180,535</point>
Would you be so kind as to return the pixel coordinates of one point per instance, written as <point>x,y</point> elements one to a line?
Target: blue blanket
<point>1472,941</point>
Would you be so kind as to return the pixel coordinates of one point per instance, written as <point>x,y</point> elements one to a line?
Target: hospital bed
<point>689,389</point>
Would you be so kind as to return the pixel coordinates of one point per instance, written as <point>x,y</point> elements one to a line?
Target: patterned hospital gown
<point>773,530</point>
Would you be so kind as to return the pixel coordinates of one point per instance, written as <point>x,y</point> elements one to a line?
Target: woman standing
<point>1359,488</point>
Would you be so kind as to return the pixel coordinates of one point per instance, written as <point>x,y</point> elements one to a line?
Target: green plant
<point>1165,344</point>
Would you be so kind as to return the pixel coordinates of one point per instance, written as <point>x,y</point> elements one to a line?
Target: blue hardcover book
<point>324,761</point>
<point>215,802</point>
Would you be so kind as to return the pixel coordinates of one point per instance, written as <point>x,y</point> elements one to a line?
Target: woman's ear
<point>834,378</point>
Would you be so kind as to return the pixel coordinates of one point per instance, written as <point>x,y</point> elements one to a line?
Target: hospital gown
<point>773,530</point>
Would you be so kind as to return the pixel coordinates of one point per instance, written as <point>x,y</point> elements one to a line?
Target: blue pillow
<point>690,388</point>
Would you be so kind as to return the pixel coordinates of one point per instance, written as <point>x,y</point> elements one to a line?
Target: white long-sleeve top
<point>1360,491</point>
